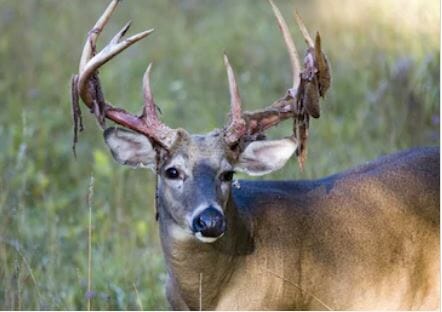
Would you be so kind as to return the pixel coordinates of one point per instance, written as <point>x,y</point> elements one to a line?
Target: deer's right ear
<point>130,148</point>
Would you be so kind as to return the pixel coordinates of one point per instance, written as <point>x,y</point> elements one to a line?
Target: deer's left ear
<point>262,157</point>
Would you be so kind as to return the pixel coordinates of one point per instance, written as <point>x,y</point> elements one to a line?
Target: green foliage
<point>384,97</point>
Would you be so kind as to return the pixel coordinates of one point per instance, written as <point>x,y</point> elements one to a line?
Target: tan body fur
<point>365,239</point>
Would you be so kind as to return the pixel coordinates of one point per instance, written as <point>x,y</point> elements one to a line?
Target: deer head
<point>195,171</point>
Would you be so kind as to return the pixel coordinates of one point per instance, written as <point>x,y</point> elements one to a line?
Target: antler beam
<point>86,85</point>
<point>300,102</point>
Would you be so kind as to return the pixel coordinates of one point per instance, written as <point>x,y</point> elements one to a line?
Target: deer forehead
<point>200,148</point>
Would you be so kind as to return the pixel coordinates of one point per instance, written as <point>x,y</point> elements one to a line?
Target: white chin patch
<point>206,239</point>
<point>179,233</point>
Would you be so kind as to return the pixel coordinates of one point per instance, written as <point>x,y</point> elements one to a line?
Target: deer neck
<point>200,270</point>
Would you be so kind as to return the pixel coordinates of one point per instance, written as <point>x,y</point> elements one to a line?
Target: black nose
<point>210,223</point>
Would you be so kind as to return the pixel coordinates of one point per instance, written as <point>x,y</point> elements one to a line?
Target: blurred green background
<point>384,97</point>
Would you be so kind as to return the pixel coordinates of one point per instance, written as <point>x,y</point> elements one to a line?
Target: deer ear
<point>130,148</point>
<point>262,157</point>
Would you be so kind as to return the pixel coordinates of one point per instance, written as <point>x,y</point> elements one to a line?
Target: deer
<point>366,238</point>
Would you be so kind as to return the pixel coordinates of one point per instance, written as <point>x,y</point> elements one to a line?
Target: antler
<point>300,102</point>
<point>86,84</point>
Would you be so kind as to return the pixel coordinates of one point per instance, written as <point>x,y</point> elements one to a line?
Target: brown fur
<point>365,239</point>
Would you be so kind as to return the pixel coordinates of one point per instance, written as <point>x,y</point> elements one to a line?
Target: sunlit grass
<point>384,97</point>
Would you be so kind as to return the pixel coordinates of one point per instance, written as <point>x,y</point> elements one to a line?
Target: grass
<point>384,97</point>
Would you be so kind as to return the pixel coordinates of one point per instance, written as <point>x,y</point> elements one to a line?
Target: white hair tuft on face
<point>179,233</point>
<point>205,239</point>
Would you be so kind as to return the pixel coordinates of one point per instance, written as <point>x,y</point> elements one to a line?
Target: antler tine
<point>236,129</point>
<point>113,48</point>
<point>291,47</point>
<point>89,46</point>
<point>149,109</point>
<point>90,61</point>
<point>304,30</point>
<point>120,34</point>
<point>161,133</point>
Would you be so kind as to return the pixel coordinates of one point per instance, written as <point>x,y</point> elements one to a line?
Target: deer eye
<point>227,176</point>
<point>172,173</point>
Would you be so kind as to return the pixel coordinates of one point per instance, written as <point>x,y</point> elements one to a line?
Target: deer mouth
<point>206,239</point>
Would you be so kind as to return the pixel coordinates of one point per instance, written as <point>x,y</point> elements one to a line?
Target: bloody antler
<point>300,102</point>
<point>86,85</point>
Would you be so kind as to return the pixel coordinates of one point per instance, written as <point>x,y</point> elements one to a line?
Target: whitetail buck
<point>367,238</point>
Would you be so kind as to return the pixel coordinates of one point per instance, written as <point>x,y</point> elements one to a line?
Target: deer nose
<point>210,223</point>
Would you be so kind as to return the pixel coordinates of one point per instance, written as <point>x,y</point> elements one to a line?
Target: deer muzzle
<point>209,225</point>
